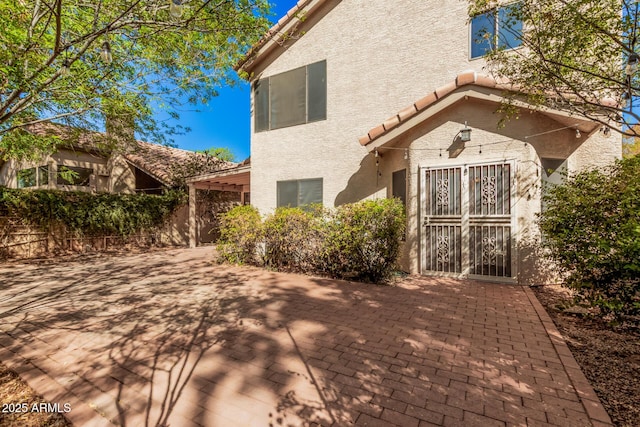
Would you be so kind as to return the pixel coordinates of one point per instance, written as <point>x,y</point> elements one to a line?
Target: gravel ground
<point>609,356</point>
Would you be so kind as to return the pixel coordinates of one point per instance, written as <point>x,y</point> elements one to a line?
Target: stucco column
<point>192,216</point>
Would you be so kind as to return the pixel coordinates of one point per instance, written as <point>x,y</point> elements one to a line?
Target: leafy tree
<point>592,229</point>
<point>77,62</point>
<point>573,58</point>
<point>221,153</point>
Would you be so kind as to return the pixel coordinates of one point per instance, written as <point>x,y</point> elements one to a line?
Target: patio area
<point>172,339</point>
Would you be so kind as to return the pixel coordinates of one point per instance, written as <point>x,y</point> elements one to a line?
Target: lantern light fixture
<point>465,133</point>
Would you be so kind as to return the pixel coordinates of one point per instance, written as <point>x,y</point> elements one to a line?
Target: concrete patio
<point>171,339</point>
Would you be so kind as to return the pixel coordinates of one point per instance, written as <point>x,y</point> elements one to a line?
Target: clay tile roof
<point>154,159</point>
<point>462,79</point>
<point>71,137</point>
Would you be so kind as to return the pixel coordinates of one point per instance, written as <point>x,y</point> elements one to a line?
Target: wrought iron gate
<point>468,220</point>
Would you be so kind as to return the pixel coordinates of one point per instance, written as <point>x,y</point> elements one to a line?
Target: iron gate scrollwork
<point>477,241</point>
<point>443,219</point>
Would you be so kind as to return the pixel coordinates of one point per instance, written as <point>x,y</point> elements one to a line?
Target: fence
<point>20,241</point>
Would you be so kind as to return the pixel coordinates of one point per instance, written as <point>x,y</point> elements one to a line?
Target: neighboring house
<point>143,167</point>
<point>366,99</point>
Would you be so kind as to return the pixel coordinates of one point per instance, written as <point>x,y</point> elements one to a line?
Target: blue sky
<point>225,121</point>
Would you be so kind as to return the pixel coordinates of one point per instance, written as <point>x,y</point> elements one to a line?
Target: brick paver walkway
<point>170,339</point>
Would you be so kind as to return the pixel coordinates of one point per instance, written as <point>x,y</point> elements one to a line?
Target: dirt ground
<point>13,389</point>
<point>609,356</point>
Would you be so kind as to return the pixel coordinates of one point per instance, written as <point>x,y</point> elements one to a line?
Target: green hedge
<point>356,241</point>
<point>90,214</point>
<point>592,227</point>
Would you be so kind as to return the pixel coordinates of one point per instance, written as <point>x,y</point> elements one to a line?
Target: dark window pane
<point>43,175</point>
<point>27,178</point>
<point>288,92</point>
<point>510,27</point>
<point>399,185</point>
<point>310,191</point>
<point>287,193</point>
<point>71,175</point>
<point>317,87</point>
<point>261,105</point>
<point>482,34</point>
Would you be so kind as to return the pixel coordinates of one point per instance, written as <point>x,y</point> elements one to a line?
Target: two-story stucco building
<point>370,99</point>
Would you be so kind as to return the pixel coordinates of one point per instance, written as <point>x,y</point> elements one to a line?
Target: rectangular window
<point>399,185</point>
<point>72,175</point>
<point>299,192</point>
<point>497,28</point>
<point>292,98</point>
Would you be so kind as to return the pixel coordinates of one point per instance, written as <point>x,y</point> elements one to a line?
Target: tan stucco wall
<point>112,175</point>
<point>380,59</point>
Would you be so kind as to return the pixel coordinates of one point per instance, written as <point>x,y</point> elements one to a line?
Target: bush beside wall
<point>240,232</point>
<point>592,227</point>
<point>356,241</point>
<point>89,214</point>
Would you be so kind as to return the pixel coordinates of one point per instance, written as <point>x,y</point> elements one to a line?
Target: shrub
<point>90,214</point>
<point>240,233</point>
<point>363,240</point>
<point>292,238</point>
<point>357,241</point>
<point>592,227</point>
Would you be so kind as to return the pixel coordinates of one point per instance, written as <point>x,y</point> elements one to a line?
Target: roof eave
<point>466,92</point>
<point>277,35</point>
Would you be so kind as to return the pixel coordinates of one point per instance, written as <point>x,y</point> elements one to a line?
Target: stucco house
<point>142,167</point>
<point>371,99</point>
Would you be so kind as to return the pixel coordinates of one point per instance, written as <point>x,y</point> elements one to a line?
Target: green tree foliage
<point>90,214</point>
<point>221,153</point>
<point>53,63</point>
<point>573,56</point>
<point>592,227</point>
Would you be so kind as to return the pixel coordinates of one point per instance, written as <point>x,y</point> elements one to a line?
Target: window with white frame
<point>498,28</point>
<point>300,192</point>
<point>292,98</point>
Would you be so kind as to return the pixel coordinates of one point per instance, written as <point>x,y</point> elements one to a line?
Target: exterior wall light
<point>465,134</point>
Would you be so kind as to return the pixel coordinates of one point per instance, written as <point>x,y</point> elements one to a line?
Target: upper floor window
<point>499,28</point>
<point>33,177</point>
<point>292,98</point>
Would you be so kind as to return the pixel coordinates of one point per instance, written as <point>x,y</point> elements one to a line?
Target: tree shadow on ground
<point>173,339</point>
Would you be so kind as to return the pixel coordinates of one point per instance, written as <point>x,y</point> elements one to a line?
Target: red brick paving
<point>172,339</point>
